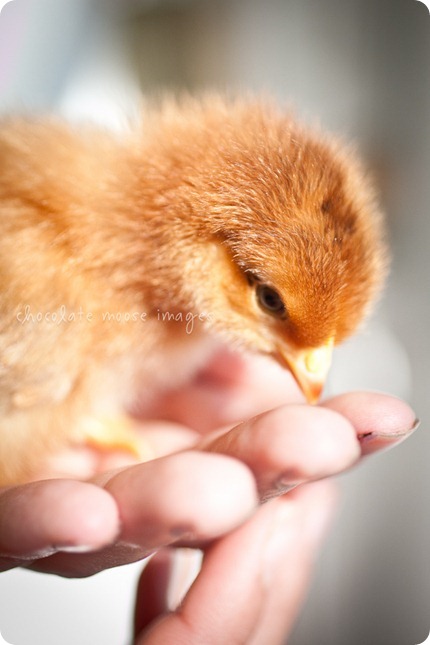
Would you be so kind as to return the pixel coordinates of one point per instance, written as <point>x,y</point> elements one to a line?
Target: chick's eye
<point>270,300</point>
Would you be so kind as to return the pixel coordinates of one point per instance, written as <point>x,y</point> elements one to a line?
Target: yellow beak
<point>309,367</point>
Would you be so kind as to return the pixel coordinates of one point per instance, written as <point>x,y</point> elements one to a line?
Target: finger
<point>290,582</point>
<point>231,388</point>
<point>164,437</point>
<point>380,420</point>
<point>156,438</point>
<point>185,494</point>
<point>289,446</point>
<point>151,597</point>
<point>163,584</point>
<point>55,515</point>
<point>239,584</point>
<point>185,497</point>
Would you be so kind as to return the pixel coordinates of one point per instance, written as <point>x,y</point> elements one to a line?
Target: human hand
<point>122,516</point>
<point>252,582</point>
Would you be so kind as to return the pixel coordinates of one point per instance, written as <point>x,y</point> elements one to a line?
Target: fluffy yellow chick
<point>118,255</point>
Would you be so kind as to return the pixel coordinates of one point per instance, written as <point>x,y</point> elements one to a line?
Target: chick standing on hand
<point>225,210</point>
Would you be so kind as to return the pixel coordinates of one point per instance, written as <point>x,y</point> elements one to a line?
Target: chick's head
<point>283,239</point>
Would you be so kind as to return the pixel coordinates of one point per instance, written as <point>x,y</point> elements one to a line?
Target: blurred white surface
<point>46,610</point>
<point>374,359</point>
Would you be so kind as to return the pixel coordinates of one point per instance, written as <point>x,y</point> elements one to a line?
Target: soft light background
<point>361,68</point>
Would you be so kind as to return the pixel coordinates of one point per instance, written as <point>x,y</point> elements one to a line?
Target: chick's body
<point>229,211</point>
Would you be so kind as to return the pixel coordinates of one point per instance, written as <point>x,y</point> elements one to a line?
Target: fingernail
<point>377,441</point>
<point>182,533</point>
<point>280,486</point>
<point>283,484</point>
<point>76,548</point>
<point>185,567</point>
<point>399,434</point>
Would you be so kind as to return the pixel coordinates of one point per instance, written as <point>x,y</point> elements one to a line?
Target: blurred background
<point>361,68</point>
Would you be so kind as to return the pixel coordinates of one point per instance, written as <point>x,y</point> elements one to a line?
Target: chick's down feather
<point>120,256</point>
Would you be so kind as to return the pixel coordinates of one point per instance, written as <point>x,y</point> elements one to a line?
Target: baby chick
<point>119,255</point>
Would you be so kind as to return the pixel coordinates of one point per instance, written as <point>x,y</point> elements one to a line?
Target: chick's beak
<point>309,367</point>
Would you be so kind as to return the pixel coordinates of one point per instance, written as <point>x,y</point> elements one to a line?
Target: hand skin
<point>257,557</point>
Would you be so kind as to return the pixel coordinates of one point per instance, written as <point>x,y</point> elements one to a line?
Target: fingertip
<point>375,414</point>
<point>314,441</point>
<point>59,515</point>
<point>183,497</point>
<point>96,518</point>
<point>290,445</point>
